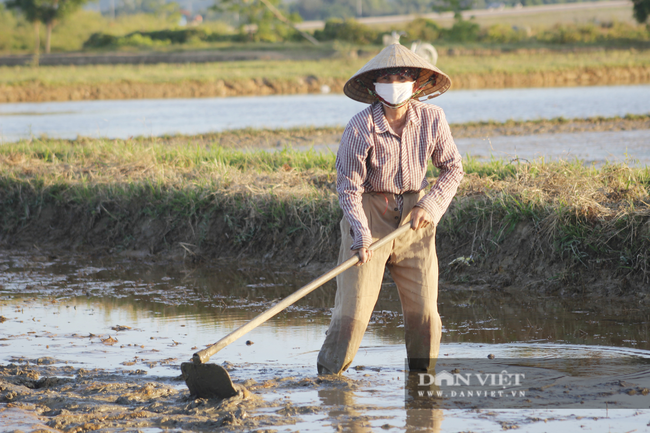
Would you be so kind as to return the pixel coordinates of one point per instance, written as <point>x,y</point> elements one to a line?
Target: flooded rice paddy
<point>125,324</point>
<point>127,118</point>
<point>630,147</point>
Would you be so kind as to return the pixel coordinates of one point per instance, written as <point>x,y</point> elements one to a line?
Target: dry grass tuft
<point>585,215</point>
<point>579,191</point>
<point>275,200</point>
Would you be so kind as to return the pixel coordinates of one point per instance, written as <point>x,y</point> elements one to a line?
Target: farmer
<point>381,166</point>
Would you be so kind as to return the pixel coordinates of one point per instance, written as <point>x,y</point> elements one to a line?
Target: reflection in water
<point>229,293</point>
<point>429,420</point>
<point>347,414</point>
<point>421,414</point>
<point>343,410</point>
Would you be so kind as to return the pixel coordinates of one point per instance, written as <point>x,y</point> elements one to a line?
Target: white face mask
<point>395,93</point>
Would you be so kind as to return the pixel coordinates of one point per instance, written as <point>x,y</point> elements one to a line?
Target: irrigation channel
<point>112,333</point>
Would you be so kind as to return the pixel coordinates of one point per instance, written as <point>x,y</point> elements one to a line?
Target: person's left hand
<point>420,218</point>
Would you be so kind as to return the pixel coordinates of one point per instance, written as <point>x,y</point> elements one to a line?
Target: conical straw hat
<point>392,56</point>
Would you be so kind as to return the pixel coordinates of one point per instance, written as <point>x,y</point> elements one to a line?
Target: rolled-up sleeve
<point>351,174</point>
<point>446,158</point>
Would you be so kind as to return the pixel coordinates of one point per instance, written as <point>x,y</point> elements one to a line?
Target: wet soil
<point>95,345</point>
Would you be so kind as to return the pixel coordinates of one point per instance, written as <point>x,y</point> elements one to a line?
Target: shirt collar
<point>381,124</point>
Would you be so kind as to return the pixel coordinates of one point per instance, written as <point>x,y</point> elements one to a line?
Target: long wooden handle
<point>204,355</point>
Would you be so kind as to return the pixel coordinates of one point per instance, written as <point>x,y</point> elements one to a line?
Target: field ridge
<point>559,227</point>
<point>41,92</point>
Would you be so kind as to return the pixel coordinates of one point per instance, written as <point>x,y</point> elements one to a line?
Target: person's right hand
<point>364,255</point>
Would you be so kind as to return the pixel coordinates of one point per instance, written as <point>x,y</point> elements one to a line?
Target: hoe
<point>212,380</point>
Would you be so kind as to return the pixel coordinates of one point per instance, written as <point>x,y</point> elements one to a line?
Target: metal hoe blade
<point>208,380</point>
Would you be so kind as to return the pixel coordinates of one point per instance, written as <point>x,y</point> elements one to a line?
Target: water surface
<point>126,118</point>
<point>631,147</point>
<point>63,307</point>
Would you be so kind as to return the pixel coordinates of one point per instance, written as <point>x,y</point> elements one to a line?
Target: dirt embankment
<point>575,77</point>
<point>41,92</point>
<point>552,126</point>
<point>490,250</point>
<point>300,137</point>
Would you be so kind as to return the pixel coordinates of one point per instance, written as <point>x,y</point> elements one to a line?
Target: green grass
<point>17,35</point>
<point>340,68</point>
<point>287,198</point>
<point>542,62</point>
<point>166,73</point>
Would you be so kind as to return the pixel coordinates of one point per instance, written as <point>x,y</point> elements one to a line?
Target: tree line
<point>260,12</point>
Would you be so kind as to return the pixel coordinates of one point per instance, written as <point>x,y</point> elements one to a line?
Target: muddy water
<point>137,319</point>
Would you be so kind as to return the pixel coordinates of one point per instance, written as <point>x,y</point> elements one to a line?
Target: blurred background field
<point>339,68</point>
<point>500,45</point>
<point>168,26</point>
<point>481,44</point>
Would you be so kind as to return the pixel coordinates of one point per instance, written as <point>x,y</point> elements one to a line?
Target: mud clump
<point>109,340</point>
<point>146,393</point>
<point>96,399</point>
<point>101,401</point>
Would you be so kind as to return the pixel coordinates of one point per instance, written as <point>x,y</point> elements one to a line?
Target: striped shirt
<point>372,158</point>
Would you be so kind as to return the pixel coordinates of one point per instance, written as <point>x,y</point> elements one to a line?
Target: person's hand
<point>364,255</point>
<point>420,218</point>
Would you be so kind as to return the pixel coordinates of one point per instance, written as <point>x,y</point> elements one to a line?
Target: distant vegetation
<point>469,31</point>
<point>17,34</point>
<point>326,9</point>
<point>89,30</point>
<point>641,10</point>
<point>340,67</point>
<point>156,38</point>
<point>92,31</point>
<point>46,12</point>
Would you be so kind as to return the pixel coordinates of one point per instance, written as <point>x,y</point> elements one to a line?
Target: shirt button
<point>397,218</point>
<point>396,209</point>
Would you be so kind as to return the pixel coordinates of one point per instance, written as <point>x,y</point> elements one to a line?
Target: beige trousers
<point>413,266</point>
